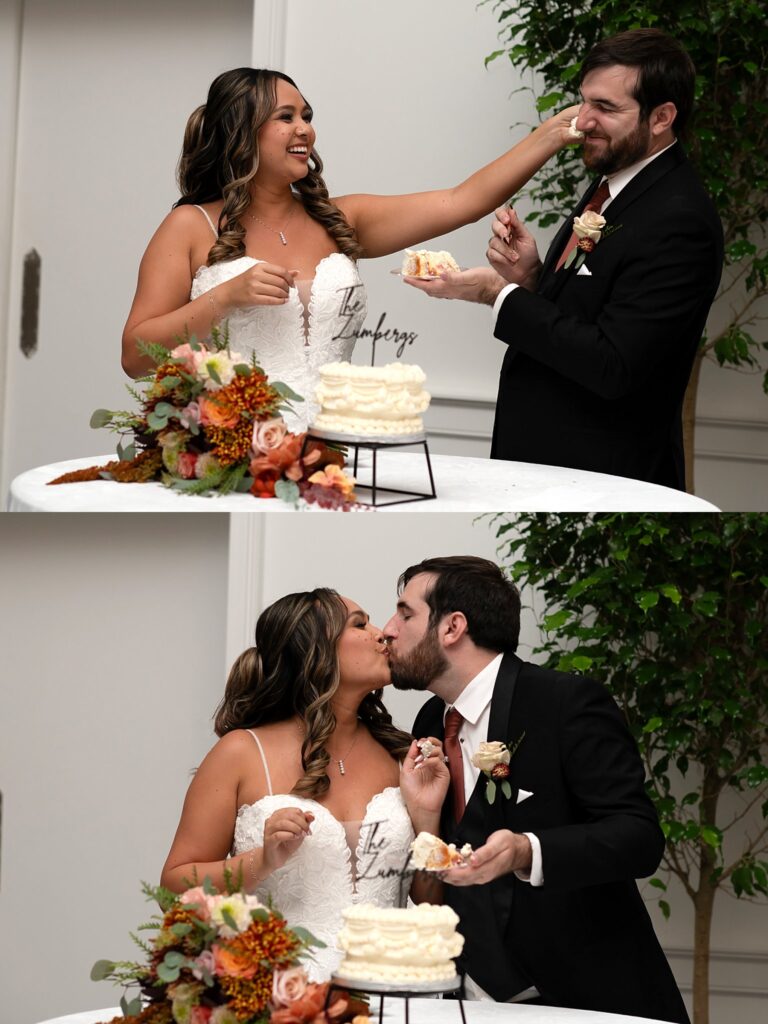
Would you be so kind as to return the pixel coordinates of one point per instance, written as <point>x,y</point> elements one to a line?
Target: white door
<point>104,91</point>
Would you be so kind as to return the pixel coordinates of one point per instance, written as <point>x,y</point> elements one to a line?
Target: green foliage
<point>728,43</point>
<point>670,611</point>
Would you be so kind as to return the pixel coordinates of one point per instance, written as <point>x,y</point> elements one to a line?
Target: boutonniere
<point>589,228</point>
<point>493,761</point>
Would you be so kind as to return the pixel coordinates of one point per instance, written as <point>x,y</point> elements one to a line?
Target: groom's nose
<point>390,629</point>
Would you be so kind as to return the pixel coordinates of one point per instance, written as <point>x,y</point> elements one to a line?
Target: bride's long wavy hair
<point>293,669</point>
<point>220,156</point>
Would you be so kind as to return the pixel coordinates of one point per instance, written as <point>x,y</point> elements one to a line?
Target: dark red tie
<point>595,203</point>
<point>453,721</point>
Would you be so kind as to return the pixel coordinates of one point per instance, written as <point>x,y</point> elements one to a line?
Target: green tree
<point>728,43</point>
<point>670,611</point>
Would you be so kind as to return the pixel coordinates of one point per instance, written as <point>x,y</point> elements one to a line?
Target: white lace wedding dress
<point>341,863</point>
<point>319,324</point>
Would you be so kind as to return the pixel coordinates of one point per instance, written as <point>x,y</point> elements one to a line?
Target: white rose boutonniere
<point>493,759</point>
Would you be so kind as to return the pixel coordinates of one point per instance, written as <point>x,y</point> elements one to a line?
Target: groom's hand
<point>512,251</point>
<point>478,285</point>
<point>503,853</point>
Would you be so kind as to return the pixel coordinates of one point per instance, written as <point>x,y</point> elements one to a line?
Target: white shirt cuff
<point>536,877</point>
<point>501,296</point>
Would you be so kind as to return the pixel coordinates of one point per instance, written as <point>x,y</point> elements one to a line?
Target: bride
<point>256,240</point>
<point>311,794</point>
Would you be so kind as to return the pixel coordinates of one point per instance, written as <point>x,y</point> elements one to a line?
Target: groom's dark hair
<point>666,72</point>
<point>478,589</point>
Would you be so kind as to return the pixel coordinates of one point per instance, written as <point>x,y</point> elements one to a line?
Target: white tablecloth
<point>438,1011</point>
<point>462,485</point>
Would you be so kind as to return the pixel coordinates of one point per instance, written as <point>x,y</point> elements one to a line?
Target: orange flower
<point>232,964</point>
<point>335,479</point>
<point>217,414</point>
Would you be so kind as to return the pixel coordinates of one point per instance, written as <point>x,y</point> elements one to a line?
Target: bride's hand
<point>264,284</point>
<point>558,127</point>
<point>284,832</point>
<point>424,781</point>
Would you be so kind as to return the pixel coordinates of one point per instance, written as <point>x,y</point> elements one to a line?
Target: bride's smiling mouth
<point>300,152</point>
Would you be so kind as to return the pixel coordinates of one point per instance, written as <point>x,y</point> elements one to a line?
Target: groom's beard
<point>415,671</point>
<point>620,153</point>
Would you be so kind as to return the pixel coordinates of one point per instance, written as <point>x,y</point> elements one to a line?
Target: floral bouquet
<point>224,959</point>
<point>209,422</point>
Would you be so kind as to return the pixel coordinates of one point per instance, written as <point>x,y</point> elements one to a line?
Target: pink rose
<point>198,897</point>
<point>268,434</point>
<point>190,414</point>
<point>287,986</point>
<point>186,465</point>
<point>204,962</point>
<point>199,1015</point>
<point>187,355</point>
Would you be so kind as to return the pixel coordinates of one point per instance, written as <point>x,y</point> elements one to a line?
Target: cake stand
<point>403,991</point>
<point>375,444</point>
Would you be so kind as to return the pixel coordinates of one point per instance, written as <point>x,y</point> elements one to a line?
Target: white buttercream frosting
<point>394,945</point>
<point>370,401</point>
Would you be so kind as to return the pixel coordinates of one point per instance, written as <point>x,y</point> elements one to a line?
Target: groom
<point>600,345</point>
<point>550,910</point>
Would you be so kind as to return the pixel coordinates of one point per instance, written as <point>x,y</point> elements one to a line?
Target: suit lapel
<point>565,231</point>
<point>478,813</point>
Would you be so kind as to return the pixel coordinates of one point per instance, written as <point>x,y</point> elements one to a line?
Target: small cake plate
<point>403,988</point>
<point>365,439</point>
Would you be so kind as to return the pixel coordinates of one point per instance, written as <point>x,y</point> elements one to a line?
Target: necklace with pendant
<point>275,231</point>
<point>340,760</point>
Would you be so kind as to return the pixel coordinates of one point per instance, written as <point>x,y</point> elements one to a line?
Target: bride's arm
<point>204,837</point>
<point>385,224</point>
<point>162,311</point>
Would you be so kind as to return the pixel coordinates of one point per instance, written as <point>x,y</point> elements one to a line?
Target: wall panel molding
<point>268,39</point>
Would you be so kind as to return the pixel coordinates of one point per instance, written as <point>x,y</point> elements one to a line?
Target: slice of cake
<point>398,947</point>
<point>371,401</point>
<point>429,853</point>
<point>423,263</point>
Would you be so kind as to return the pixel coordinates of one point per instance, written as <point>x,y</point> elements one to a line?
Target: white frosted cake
<point>371,401</point>
<point>414,945</point>
<point>425,263</point>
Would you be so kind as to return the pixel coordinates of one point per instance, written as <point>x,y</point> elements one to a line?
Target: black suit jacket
<point>584,938</point>
<point>598,363</point>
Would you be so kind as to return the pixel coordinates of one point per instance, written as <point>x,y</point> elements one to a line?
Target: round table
<point>438,1011</point>
<point>462,485</point>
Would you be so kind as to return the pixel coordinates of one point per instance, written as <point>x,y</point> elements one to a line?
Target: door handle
<point>30,303</point>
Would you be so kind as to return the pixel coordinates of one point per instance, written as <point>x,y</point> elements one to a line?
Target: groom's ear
<point>453,628</point>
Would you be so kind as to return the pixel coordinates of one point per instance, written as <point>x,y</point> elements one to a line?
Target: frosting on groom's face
<point>416,658</point>
<point>615,135</point>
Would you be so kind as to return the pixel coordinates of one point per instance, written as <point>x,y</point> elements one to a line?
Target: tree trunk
<point>702,928</point>
<point>689,419</point>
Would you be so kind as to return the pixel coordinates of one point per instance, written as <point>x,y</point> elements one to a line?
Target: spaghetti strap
<point>215,235</point>
<point>258,741</point>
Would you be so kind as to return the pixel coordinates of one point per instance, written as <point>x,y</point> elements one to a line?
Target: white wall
<point>113,634</point>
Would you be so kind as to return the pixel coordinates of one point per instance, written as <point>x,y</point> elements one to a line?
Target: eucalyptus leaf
<point>101,418</point>
<point>506,789</point>
<point>101,970</point>
<point>490,791</point>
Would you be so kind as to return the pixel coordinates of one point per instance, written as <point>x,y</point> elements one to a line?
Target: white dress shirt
<point>474,705</point>
<point>616,182</point>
